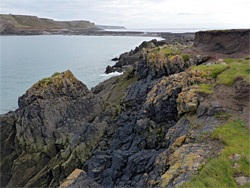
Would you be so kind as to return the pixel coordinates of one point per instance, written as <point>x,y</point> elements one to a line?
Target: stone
<point>236,157</point>
<point>236,166</point>
<point>242,180</point>
<point>216,104</point>
<point>71,178</point>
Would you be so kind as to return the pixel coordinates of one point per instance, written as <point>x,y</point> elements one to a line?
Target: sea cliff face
<point>230,43</point>
<point>170,120</point>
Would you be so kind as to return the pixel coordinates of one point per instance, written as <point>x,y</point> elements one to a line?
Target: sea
<point>25,60</point>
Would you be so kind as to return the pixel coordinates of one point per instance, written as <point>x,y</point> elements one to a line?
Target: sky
<point>139,13</point>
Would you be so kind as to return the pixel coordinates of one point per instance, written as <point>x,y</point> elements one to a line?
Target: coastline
<point>31,32</point>
<point>170,117</point>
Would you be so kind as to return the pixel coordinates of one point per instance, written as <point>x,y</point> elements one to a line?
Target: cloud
<point>137,13</point>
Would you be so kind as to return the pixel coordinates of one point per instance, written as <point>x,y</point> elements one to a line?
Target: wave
<point>112,74</point>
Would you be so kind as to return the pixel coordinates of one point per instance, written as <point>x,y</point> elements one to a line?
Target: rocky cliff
<point>21,24</point>
<point>170,120</point>
<point>229,43</point>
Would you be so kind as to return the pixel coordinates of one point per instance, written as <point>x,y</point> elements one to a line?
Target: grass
<point>223,115</point>
<point>227,74</point>
<point>45,81</point>
<point>164,52</point>
<point>55,74</point>
<point>185,57</point>
<point>119,90</point>
<point>236,70</point>
<point>219,172</point>
<point>205,88</point>
<point>32,22</point>
<point>212,70</point>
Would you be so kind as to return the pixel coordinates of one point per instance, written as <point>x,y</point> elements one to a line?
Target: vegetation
<point>185,57</point>
<point>237,69</point>
<point>55,74</point>
<point>45,81</point>
<point>223,115</point>
<point>33,22</point>
<point>162,53</point>
<point>205,88</point>
<point>229,72</point>
<point>123,82</point>
<point>211,70</point>
<point>219,172</point>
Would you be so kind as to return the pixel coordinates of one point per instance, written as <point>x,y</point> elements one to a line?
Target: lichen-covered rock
<point>161,63</point>
<point>184,162</point>
<point>9,151</point>
<point>57,124</point>
<point>187,100</point>
<point>172,91</point>
<point>78,178</point>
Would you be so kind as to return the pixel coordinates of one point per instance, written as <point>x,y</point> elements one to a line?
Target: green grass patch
<point>213,70</point>
<point>55,74</point>
<point>185,57</point>
<point>45,81</point>
<point>237,69</point>
<point>205,88</point>
<point>227,74</point>
<point>223,115</point>
<point>219,172</point>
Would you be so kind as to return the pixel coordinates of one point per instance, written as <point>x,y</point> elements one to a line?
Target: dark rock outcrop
<point>128,59</point>
<point>222,43</point>
<point>47,133</point>
<point>149,127</point>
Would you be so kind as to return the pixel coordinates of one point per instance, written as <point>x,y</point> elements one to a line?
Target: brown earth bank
<point>233,43</point>
<point>149,127</point>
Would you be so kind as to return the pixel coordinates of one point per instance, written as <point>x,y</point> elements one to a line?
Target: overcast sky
<point>139,13</point>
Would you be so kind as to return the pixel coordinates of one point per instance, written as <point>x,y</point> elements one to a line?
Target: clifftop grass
<point>227,73</point>
<point>166,51</point>
<point>55,80</point>
<point>219,172</point>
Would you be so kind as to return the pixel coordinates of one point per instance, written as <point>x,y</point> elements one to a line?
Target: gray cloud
<point>136,13</point>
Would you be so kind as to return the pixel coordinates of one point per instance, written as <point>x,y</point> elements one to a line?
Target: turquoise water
<point>27,59</point>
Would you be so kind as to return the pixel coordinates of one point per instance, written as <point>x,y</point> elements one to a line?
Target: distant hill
<point>34,22</point>
<point>110,27</point>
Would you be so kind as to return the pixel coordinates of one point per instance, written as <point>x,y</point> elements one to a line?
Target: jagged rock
<point>161,102</point>
<point>79,178</point>
<point>138,129</point>
<point>158,65</point>
<point>126,60</point>
<point>52,127</point>
<point>9,151</point>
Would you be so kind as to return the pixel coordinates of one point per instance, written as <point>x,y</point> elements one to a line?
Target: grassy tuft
<point>227,74</point>
<point>213,70</point>
<point>219,172</point>
<point>223,115</point>
<point>55,74</point>
<point>237,69</point>
<point>205,88</point>
<point>185,57</point>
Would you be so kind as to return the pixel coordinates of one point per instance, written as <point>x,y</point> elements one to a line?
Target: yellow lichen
<point>71,178</point>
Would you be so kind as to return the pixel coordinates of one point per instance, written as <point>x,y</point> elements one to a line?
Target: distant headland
<point>11,24</point>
